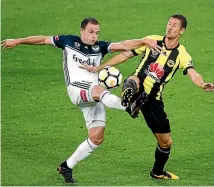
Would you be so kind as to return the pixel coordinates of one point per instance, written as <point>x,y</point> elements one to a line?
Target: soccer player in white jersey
<point>82,86</point>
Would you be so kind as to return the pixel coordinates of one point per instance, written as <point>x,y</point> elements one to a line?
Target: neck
<point>171,42</point>
<point>83,41</point>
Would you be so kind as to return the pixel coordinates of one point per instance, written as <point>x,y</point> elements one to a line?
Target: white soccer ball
<point>110,77</point>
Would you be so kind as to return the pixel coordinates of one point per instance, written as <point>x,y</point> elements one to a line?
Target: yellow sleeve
<point>139,50</point>
<point>142,49</point>
<point>185,62</point>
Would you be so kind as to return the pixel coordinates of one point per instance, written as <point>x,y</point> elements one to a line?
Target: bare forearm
<point>33,40</point>
<point>118,59</point>
<point>198,80</point>
<point>132,44</point>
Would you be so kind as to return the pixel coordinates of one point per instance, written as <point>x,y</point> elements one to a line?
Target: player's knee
<point>136,79</point>
<point>166,142</point>
<point>97,140</point>
<point>96,92</point>
<point>96,135</point>
<point>132,82</point>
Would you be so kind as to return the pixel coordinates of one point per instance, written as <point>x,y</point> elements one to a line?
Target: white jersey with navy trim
<point>75,53</point>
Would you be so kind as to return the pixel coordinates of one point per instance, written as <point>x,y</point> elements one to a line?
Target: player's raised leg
<point>130,87</point>
<point>109,100</point>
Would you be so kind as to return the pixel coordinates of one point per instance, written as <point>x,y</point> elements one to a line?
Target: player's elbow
<point>47,40</point>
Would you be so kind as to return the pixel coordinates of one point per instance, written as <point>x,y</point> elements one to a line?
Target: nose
<point>169,27</point>
<point>94,36</point>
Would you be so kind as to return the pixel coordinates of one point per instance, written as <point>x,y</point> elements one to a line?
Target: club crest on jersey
<point>95,48</point>
<point>170,63</point>
<point>76,44</point>
<point>155,71</point>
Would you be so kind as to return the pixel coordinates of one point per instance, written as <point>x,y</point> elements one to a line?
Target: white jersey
<point>75,53</point>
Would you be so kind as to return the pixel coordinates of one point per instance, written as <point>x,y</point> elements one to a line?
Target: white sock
<point>83,151</point>
<point>111,101</point>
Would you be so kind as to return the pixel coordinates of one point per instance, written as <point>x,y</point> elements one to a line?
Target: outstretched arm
<point>31,40</point>
<point>117,59</point>
<point>128,45</point>
<point>198,80</point>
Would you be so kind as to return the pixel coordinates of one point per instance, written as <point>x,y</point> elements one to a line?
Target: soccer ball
<point>110,77</point>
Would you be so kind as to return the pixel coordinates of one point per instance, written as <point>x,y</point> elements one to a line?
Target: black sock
<point>161,157</point>
<point>129,83</point>
<point>64,165</point>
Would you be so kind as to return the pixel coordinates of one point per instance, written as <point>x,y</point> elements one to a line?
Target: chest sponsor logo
<point>155,71</point>
<point>170,63</point>
<point>85,60</point>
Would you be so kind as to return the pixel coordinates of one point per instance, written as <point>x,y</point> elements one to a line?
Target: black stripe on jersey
<point>175,70</point>
<point>185,71</point>
<point>81,85</point>
<point>85,83</point>
<point>150,59</point>
<point>134,53</point>
<point>167,70</point>
<point>65,68</point>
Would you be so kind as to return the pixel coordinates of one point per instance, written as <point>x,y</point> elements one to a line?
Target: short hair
<point>182,19</point>
<point>91,20</point>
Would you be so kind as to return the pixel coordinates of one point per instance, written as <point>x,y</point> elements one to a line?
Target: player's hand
<point>152,44</point>
<point>9,43</point>
<point>89,68</point>
<point>208,87</point>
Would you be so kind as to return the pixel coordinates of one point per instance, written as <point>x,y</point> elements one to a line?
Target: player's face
<point>90,34</point>
<point>173,28</point>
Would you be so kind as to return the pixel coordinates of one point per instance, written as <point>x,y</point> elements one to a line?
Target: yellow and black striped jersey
<point>156,69</point>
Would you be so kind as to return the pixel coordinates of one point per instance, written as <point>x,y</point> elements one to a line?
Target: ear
<point>182,31</point>
<point>81,30</point>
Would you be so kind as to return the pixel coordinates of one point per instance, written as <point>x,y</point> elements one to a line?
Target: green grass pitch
<point>40,127</point>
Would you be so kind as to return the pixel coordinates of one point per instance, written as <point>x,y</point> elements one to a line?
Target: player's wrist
<point>98,69</point>
<point>18,41</point>
<point>202,86</point>
<point>144,41</point>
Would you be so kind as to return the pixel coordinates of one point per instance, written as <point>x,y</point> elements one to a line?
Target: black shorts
<point>156,118</point>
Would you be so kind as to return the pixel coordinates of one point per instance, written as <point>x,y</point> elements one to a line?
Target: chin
<point>91,42</point>
<point>170,36</point>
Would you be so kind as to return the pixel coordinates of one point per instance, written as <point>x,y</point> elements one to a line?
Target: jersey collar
<point>169,48</point>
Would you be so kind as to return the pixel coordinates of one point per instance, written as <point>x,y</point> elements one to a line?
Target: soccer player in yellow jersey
<point>143,90</point>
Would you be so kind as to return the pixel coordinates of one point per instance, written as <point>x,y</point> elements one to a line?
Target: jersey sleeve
<point>142,49</point>
<point>185,62</point>
<point>60,41</point>
<point>104,47</point>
